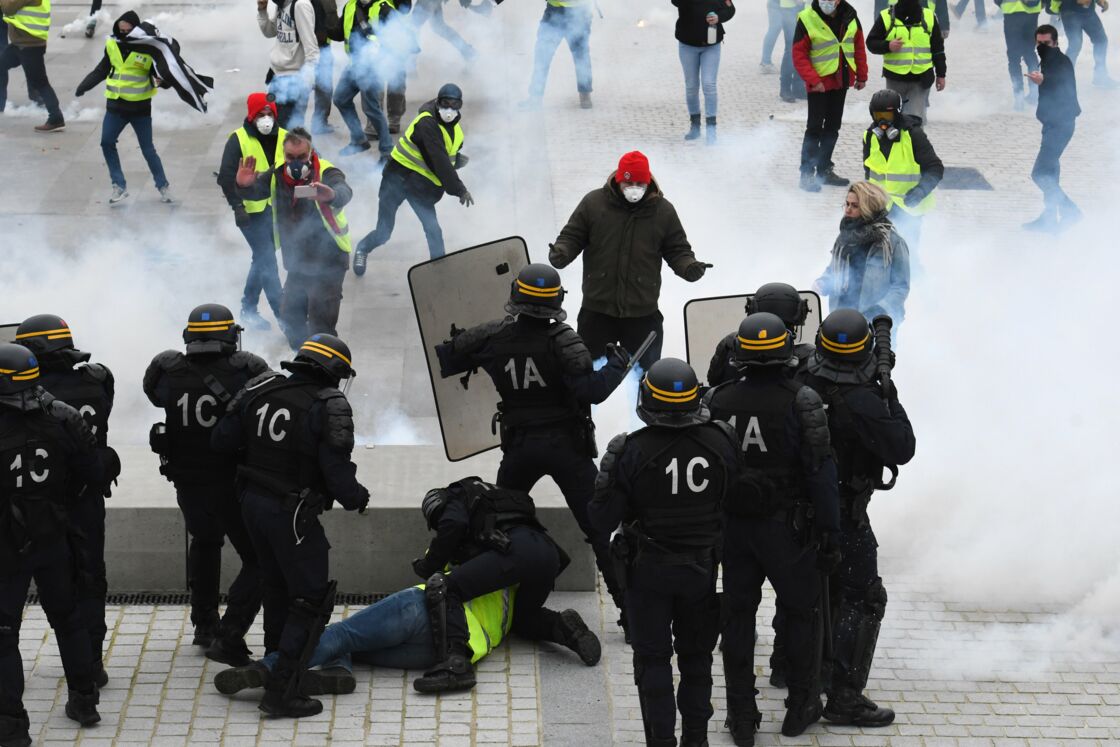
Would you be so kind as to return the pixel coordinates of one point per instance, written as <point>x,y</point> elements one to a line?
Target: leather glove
<point>828,556</point>
<point>912,198</point>
<point>240,217</point>
<point>420,568</point>
<point>617,353</point>
<point>466,199</point>
<point>695,271</point>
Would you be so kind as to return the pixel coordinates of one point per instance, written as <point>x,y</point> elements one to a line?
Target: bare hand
<point>860,84</point>
<point>246,172</point>
<point>895,44</point>
<point>1035,77</point>
<point>940,84</point>
<point>261,5</point>
<point>712,19</point>
<point>323,193</point>
<point>816,88</point>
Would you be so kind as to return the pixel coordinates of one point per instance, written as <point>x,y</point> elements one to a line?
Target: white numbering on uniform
<point>17,467</point>
<point>752,436</point>
<point>206,421</point>
<point>90,415</point>
<point>673,470</point>
<point>275,433</point>
<point>532,374</point>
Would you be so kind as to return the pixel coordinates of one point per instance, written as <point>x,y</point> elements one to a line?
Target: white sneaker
<point>120,194</point>
<point>165,194</point>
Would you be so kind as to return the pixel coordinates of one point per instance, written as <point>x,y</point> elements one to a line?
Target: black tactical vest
<point>858,469</point>
<point>34,473</point>
<point>80,389</point>
<point>677,493</point>
<point>281,454</point>
<point>529,377</point>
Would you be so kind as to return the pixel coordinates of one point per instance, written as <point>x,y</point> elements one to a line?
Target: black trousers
<point>1048,165</point>
<point>52,568</point>
<point>1018,35</point>
<point>212,513</point>
<point>756,550</point>
<point>88,515</point>
<point>294,572</point>
<point>33,61</point>
<point>532,563</point>
<point>672,608</point>
<point>598,329</point>
<point>311,303</point>
<point>556,453</point>
<point>822,129</point>
<point>853,581</point>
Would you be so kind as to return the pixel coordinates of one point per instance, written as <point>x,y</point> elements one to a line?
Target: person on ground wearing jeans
<point>130,86</point>
<point>699,35</point>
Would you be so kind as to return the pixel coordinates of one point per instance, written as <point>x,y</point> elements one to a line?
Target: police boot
<point>281,700</point>
<point>574,634</point>
<point>693,127</point>
<point>236,679</point>
<point>803,709</point>
<point>82,707</point>
<point>229,650</point>
<point>453,673</point>
<point>694,735</point>
<point>710,131</point>
<point>742,722</point>
<point>328,681</point>
<point>15,731</point>
<point>850,708</point>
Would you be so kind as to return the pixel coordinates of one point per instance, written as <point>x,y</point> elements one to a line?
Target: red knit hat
<point>258,102</point>
<point>633,167</point>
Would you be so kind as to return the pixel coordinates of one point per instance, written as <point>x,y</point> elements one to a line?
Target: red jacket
<point>842,78</point>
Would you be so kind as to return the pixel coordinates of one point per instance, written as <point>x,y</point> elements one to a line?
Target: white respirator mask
<point>828,6</point>
<point>265,124</point>
<point>634,192</point>
<point>448,115</point>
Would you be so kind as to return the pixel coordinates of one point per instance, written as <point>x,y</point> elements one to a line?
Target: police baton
<point>637,355</point>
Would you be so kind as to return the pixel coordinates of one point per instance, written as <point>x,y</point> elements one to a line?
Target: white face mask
<point>634,192</point>
<point>265,125</point>
<point>828,6</point>
<point>448,115</point>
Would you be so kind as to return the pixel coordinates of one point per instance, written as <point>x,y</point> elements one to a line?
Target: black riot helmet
<point>19,369</point>
<point>325,353</point>
<point>433,504</point>
<point>48,336</point>
<point>845,336</point>
<point>450,95</point>
<point>781,299</point>
<point>211,329</point>
<point>763,340</point>
<point>537,292</point>
<point>670,395</point>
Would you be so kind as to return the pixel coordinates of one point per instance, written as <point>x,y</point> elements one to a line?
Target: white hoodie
<point>289,56</point>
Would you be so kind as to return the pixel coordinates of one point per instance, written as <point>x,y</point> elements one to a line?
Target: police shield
<point>709,320</point>
<point>464,288</point>
<point>8,332</point>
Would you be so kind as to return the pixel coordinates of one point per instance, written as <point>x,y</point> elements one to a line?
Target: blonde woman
<point>870,265</point>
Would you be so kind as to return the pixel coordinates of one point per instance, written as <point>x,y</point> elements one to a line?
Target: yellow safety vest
<point>408,155</point>
<point>1021,6</point>
<point>130,78</point>
<point>825,48</point>
<point>348,23</point>
<point>34,19</point>
<point>916,55</point>
<point>250,146</point>
<point>898,174</point>
<point>341,236</point>
<point>489,619</point>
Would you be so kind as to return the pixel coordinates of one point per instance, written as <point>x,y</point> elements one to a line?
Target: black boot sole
<point>275,710</point>
<point>230,681</point>
<point>327,682</point>
<point>844,719</point>
<point>580,639</point>
<point>444,684</point>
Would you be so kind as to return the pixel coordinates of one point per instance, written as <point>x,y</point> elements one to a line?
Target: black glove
<point>466,199</point>
<point>360,504</point>
<point>420,568</point>
<point>912,198</point>
<point>828,556</point>
<point>240,216</point>
<point>890,391</point>
<point>695,271</point>
<point>79,93</point>
<point>617,353</point>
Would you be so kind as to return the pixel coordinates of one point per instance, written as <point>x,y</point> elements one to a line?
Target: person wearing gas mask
<point>898,157</point>
<point>423,166</point>
<point>193,389</point>
<point>665,485</point>
<point>294,435</point>
<point>909,38</point>
<point>310,229</point>
<point>829,55</point>
<point>294,60</point>
<point>67,374</point>
<point>869,430</point>
<point>625,229</point>
<point>780,299</point>
<point>259,137</point>
<point>361,76</point>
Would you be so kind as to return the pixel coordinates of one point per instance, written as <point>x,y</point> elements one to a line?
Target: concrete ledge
<point>145,535</point>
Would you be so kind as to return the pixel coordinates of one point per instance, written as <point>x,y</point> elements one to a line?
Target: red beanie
<point>633,167</point>
<point>257,102</point>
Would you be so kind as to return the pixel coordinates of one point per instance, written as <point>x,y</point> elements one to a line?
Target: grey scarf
<point>858,235</point>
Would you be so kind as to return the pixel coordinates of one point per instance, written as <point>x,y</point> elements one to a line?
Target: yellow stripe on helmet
<point>672,397</point>
<point>52,334</point>
<point>215,326</point>
<point>773,344</point>
<point>844,348</point>
<point>321,349</point>
<point>29,374</point>
<point>529,290</point>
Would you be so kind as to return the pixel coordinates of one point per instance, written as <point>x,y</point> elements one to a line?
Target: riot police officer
<point>297,434</point>
<point>783,431</point>
<point>665,483</point>
<point>68,375</point>
<point>194,390</point>
<point>544,375</point>
<point>774,298</point>
<point>44,445</point>
<point>869,431</point>
<point>492,537</point>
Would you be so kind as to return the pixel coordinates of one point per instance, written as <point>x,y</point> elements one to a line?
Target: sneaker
<point>584,100</point>
<point>354,148</point>
<point>165,194</point>
<point>120,194</point>
<point>360,259</point>
<point>809,183</point>
<point>90,27</point>
<point>831,179</point>
<point>767,68</point>
<point>578,637</point>
<point>531,104</point>
<point>848,708</point>
<point>49,126</point>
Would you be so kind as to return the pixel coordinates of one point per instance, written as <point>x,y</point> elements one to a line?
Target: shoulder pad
<point>570,348</point>
<point>814,425</point>
<point>708,395</point>
<point>339,432</point>
<point>94,371</point>
<point>471,339</point>
<point>168,359</point>
<point>250,385</point>
<point>605,480</point>
<point>728,431</point>
<point>73,421</point>
<point>249,361</point>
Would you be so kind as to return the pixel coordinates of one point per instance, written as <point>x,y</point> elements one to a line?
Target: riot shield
<point>709,320</point>
<point>8,332</point>
<point>464,288</point>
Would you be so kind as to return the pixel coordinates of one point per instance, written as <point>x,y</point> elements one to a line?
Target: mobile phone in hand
<point>303,191</point>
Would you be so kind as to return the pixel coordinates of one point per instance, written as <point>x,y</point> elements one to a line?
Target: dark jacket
<point>624,244</point>
<point>838,22</point>
<point>306,246</point>
<point>428,138</point>
<point>909,13</point>
<point>1057,96</point>
<point>692,24</point>
<point>104,67</point>
<point>869,269</point>
<point>932,168</point>
<point>231,157</point>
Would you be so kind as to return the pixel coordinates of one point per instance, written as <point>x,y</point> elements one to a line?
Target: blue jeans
<point>324,83</point>
<point>291,99</point>
<point>264,275</point>
<point>359,77</point>
<point>1087,21</point>
<point>393,633</point>
<point>773,28</point>
<point>789,82</point>
<point>700,64</point>
<point>571,24</point>
<point>395,190</point>
<point>112,127</point>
